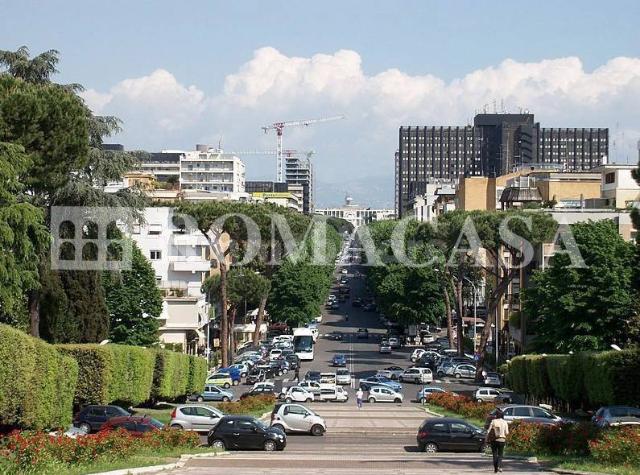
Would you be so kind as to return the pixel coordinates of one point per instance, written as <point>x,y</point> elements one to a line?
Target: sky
<point>181,73</point>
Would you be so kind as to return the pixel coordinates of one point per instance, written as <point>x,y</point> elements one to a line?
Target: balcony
<point>191,239</point>
<point>189,264</point>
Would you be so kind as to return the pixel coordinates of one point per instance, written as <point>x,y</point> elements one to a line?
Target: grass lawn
<point>586,464</point>
<point>446,413</point>
<point>141,459</point>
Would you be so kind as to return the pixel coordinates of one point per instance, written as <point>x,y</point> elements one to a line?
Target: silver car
<point>297,418</point>
<point>384,394</point>
<point>614,416</point>
<point>195,417</point>
<point>343,376</point>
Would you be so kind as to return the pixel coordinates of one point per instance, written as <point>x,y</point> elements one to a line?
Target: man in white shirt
<point>359,396</point>
<point>497,437</point>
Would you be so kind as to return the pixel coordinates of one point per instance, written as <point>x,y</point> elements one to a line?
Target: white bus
<point>303,343</point>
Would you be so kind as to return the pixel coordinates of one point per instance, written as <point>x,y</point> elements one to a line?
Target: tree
<point>134,302</point>
<point>581,309</point>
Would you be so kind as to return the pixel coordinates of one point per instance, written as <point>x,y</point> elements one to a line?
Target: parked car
<point>234,372</point>
<point>391,372</point>
<point>195,417</point>
<point>614,416</point>
<point>384,394</point>
<point>311,386</point>
<point>244,432</point>
<point>534,414</point>
<point>222,380</point>
<point>275,354</point>
<point>492,379</point>
<point>417,353</point>
<point>255,376</point>
<point>327,378</point>
<point>416,375</point>
<point>363,333</point>
<point>344,271</point>
<point>312,376</point>
<point>357,302</point>
<point>333,393</point>
<point>367,383</point>
<point>448,434</point>
<point>293,360</point>
<point>211,393</point>
<point>490,395</point>
<point>135,425</point>
<point>297,394</point>
<point>339,360</point>
<point>424,394</point>
<point>385,347</point>
<point>464,371</point>
<point>259,391</point>
<point>297,418</point>
<point>394,342</point>
<point>92,418</point>
<point>343,376</point>
<point>335,305</point>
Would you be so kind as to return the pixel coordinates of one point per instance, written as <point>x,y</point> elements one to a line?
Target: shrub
<point>251,404</point>
<point>94,379</point>
<point>462,405</point>
<point>617,447</point>
<point>197,374</point>
<point>537,377</point>
<point>171,375</point>
<point>562,439</point>
<point>37,383</point>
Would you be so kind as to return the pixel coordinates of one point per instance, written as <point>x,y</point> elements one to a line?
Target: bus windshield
<point>302,343</point>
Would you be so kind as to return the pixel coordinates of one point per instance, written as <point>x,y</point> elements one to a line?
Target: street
<point>380,438</point>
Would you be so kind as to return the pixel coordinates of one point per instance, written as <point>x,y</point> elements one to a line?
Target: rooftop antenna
<point>495,109</point>
<point>220,142</point>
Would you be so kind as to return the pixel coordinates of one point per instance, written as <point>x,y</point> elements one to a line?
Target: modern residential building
<point>618,188</point>
<point>495,145</point>
<point>355,214</point>
<point>299,171</point>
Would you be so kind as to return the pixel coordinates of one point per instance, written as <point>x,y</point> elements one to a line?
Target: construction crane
<point>279,128</point>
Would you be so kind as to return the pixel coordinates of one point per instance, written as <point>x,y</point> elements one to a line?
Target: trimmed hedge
<point>112,373</point>
<point>36,382</point>
<point>198,369</point>
<point>590,379</point>
<point>171,375</point>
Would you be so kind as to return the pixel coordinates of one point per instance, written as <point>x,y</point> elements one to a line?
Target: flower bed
<point>562,439</point>
<point>617,447</point>
<point>37,450</point>
<point>250,405</point>
<point>462,405</point>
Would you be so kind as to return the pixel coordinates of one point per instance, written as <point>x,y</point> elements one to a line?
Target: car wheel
<point>397,400</point>
<point>177,427</point>
<point>309,400</point>
<point>458,375</point>
<point>279,426</point>
<point>218,444</point>
<point>440,374</point>
<point>394,377</point>
<point>372,399</point>
<point>225,399</point>
<point>235,382</point>
<point>269,446</point>
<point>431,447</point>
<point>226,385</point>
<point>243,375</point>
<point>200,399</point>
<point>478,400</point>
<point>401,379</point>
<point>423,400</point>
<point>416,381</point>
<point>86,428</point>
<point>317,430</point>
<point>288,400</point>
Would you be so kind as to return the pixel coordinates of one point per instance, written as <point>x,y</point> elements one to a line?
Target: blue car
<point>339,360</point>
<point>366,384</point>
<point>233,371</point>
<point>212,393</point>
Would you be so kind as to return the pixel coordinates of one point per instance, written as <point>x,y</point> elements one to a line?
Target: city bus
<point>303,343</point>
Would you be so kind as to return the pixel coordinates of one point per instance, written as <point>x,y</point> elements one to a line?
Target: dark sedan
<point>441,434</point>
<point>92,418</point>
<point>339,360</point>
<point>312,376</point>
<point>244,432</point>
<point>135,425</point>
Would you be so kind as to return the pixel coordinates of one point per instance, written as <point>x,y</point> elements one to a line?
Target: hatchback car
<point>297,394</point>
<point>614,416</point>
<point>391,372</point>
<point>92,418</point>
<point>297,418</point>
<point>255,376</point>
<point>417,375</point>
<point>534,414</point>
<point>332,393</point>
<point>339,360</point>
<point>311,386</point>
<point>135,425</point>
<point>343,376</point>
<point>490,395</point>
<point>366,383</point>
<point>425,393</point>
<point>448,434</point>
<point>383,394</point>
<point>222,380</point>
<point>492,379</point>
<point>212,393</point>
<point>394,342</point>
<point>385,347</point>
<point>312,376</point>
<point>464,371</point>
<point>244,432</point>
<point>194,417</point>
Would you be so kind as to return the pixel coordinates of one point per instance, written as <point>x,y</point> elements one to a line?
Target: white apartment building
<point>207,169</point>
<point>355,214</point>
<point>618,187</point>
<point>438,198</point>
<point>181,262</point>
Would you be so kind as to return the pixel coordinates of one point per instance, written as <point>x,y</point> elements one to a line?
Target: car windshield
<point>156,423</point>
<point>260,424</point>
<point>342,372</point>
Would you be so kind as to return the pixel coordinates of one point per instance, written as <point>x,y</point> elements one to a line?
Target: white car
<point>311,386</point>
<point>384,394</point>
<point>415,356</point>
<point>416,375</point>
<point>275,354</point>
<point>343,376</point>
<point>333,393</point>
<point>490,395</point>
<point>264,386</point>
<point>328,378</point>
<point>319,319</point>
<point>297,394</point>
<point>428,339</point>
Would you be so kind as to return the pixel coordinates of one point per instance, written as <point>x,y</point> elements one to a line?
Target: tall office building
<point>299,171</point>
<point>494,145</point>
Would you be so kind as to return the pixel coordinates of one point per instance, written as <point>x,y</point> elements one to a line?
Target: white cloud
<point>273,86</point>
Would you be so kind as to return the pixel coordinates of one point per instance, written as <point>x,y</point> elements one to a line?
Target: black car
<point>293,360</point>
<point>312,376</point>
<point>244,432</point>
<point>336,336</point>
<point>92,418</point>
<point>363,333</point>
<point>256,375</point>
<point>441,434</point>
<point>356,303</point>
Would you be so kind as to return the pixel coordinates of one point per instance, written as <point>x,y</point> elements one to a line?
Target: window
<point>610,177</point>
<point>202,411</point>
<point>155,255</point>
<point>295,410</point>
<point>439,427</point>
<point>537,412</point>
<point>508,411</point>
<point>457,427</point>
<point>521,412</point>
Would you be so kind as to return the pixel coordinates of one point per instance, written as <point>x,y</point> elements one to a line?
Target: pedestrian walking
<point>497,437</point>
<point>296,375</point>
<point>359,396</point>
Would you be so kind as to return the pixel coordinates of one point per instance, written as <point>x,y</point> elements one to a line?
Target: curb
<point>181,462</point>
<point>570,472</point>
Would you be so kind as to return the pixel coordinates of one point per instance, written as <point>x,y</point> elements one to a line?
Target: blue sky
<point>185,72</point>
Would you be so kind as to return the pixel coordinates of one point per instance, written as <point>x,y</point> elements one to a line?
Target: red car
<point>135,425</point>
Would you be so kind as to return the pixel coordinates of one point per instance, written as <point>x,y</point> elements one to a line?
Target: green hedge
<point>112,373</point>
<point>590,379</point>
<point>36,382</point>
<point>198,369</point>
<point>171,375</point>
